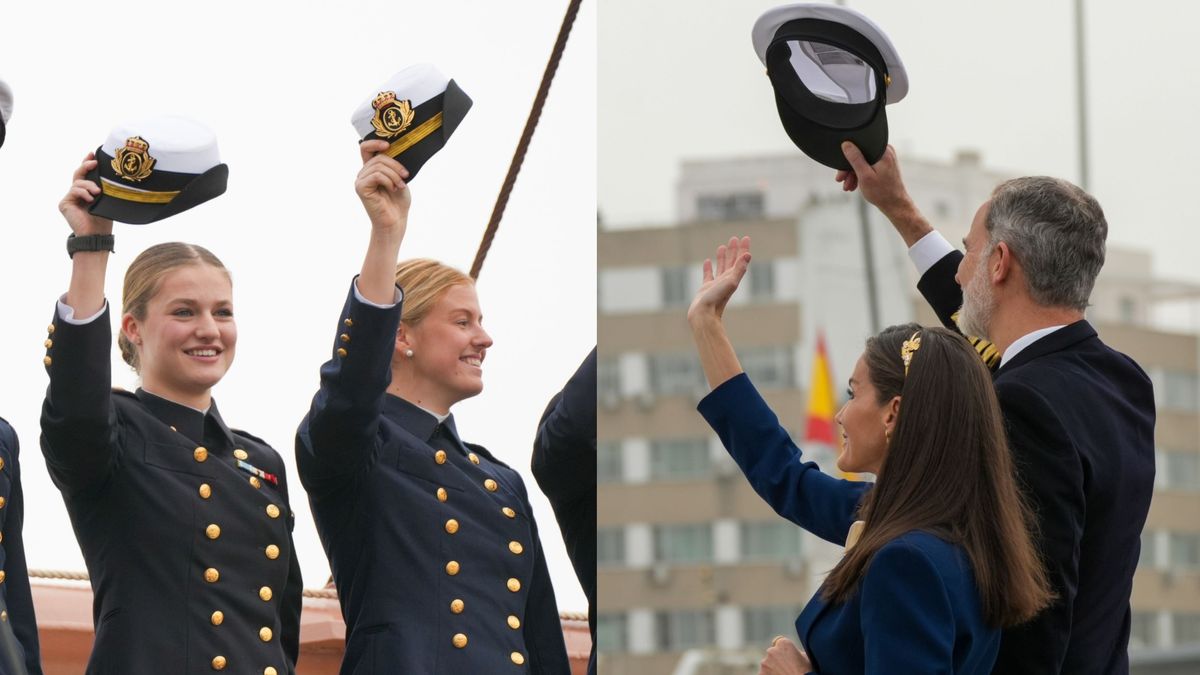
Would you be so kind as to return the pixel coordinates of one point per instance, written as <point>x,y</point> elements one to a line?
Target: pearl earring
<point>408,353</point>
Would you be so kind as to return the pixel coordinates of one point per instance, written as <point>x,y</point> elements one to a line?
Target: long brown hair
<point>947,472</point>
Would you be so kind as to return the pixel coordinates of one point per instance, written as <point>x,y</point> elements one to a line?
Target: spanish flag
<point>822,406</point>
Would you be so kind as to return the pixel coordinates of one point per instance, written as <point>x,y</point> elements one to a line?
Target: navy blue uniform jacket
<point>564,464</point>
<point>22,646</point>
<point>1080,422</point>
<point>432,542</point>
<point>190,559</point>
<point>916,610</point>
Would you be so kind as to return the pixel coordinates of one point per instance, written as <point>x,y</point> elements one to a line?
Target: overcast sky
<point>278,82</point>
<point>994,77</point>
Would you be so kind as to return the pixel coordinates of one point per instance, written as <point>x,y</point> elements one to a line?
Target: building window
<point>675,374</point>
<point>1187,629</point>
<point>609,467</point>
<point>1181,470</point>
<point>1148,557</point>
<point>683,543</point>
<point>736,206</point>
<point>675,287</point>
<point>680,459</point>
<point>612,633</point>
<point>1179,391</point>
<point>1184,550</point>
<point>762,280</point>
<point>610,546</point>
<point>684,629</point>
<point>1143,630</point>
<point>608,382</point>
<point>769,367</point>
<point>760,624</point>
<point>771,540</point>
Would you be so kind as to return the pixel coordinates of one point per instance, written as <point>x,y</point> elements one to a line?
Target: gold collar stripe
<point>133,195</point>
<point>415,136</point>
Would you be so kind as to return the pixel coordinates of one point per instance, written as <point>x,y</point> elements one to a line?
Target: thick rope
<point>523,145</point>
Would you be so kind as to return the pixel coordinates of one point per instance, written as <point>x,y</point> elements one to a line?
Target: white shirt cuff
<point>359,296</point>
<point>930,249</point>
<point>67,312</point>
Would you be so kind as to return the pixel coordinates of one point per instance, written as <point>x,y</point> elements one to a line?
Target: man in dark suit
<point>1079,415</point>
<point>564,464</point>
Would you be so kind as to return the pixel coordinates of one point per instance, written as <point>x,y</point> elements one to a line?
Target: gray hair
<point>1056,231</point>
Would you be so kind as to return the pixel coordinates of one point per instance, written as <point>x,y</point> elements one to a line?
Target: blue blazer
<point>1080,422</point>
<point>432,541</point>
<point>22,646</point>
<point>917,608</point>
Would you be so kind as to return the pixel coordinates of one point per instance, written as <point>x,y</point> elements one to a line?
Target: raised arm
<point>78,421</point>
<point>747,427</point>
<point>339,433</point>
<point>564,451</point>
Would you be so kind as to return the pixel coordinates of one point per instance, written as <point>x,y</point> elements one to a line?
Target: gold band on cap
<point>415,136</point>
<point>134,195</point>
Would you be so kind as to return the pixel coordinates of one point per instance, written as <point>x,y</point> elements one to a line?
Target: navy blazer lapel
<point>1057,341</point>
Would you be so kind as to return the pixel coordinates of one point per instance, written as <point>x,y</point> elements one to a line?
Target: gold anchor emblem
<point>133,161</point>
<point>392,117</point>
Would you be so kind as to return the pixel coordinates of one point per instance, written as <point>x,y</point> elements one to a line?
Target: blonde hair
<point>144,277</point>
<point>424,282</point>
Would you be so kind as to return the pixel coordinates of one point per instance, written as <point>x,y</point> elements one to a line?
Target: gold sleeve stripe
<point>987,351</point>
<point>134,195</point>
<point>415,136</point>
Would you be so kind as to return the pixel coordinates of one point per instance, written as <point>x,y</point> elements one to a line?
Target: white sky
<point>677,83</point>
<point>278,82</point>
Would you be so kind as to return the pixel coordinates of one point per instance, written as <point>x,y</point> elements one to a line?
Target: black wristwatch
<point>89,243</point>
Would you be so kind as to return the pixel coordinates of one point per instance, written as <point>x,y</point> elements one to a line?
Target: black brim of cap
<point>825,144</point>
<point>453,104</point>
<point>203,187</point>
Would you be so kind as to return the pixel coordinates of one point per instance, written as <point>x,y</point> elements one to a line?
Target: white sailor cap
<point>155,167</point>
<point>415,111</point>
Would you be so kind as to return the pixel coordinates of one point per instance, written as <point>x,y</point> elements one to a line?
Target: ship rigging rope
<point>535,113</point>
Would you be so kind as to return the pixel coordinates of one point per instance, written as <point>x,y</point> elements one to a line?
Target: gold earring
<point>887,435</point>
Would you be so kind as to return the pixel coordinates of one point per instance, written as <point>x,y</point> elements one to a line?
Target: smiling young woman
<point>184,523</point>
<point>432,541</point>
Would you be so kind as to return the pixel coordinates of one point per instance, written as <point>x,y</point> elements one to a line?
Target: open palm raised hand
<point>731,262</point>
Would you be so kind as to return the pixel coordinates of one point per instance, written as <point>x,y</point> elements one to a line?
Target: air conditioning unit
<point>659,575</point>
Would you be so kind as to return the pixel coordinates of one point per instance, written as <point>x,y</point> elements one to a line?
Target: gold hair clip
<point>910,345</point>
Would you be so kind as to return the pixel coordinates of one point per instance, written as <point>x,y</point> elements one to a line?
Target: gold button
<point>1,536</point>
<point>490,485</point>
<point>451,526</point>
<point>518,658</point>
<point>452,567</point>
<point>218,663</point>
<point>265,634</point>
<point>200,453</point>
<point>514,585</point>
<point>509,512</point>
<point>440,456</point>
<point>240,454</point>
<point>174,429</point>
<point>344,337</point>
<point>457,606</point>
<point>255,481</point>
<point>212,531</point>
<point>50,329</point>
<point>265,593</point>
<point>205,490</point>
<point>48,344</point>
<point>473,457</point>
<point>272,510</point>
<point>3,615</point>
<point>342,352</point>
<point>516,547</point>
<point>47,360</point>
<point>3,501</point>
<point>460,640</point>
<point>218,617</point>
<point>442,495</point>
<point>211,575</point>
<point>272,551</point>
<point>513,622</point>
<point>1,462</point>
<point>3,576</point>
<point>270,670</point>
<point>348,323</point>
